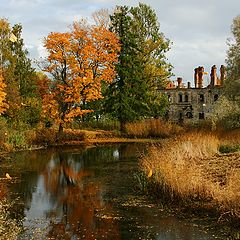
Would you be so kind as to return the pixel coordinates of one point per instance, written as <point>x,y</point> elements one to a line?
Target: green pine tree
<point>142,66</point>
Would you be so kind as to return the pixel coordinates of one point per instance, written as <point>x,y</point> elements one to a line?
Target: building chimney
<point>222,74</point>
<point>188,85</point>
<point>213,76</point>
<point>200,77</point>
<point>196,77</point>
<point>179,81</point>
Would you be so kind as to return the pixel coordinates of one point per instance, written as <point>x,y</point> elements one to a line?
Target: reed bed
<point>189,169</point>
<point>152,128</point>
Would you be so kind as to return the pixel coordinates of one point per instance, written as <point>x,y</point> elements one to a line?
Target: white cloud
<point>197,29</point>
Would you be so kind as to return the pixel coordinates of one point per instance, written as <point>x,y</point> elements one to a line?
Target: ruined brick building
<point>192,104</point>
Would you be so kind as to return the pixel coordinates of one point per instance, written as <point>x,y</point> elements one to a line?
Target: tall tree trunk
<point>60,128</point>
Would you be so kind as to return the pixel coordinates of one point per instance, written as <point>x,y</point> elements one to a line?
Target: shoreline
<point>86,142</point>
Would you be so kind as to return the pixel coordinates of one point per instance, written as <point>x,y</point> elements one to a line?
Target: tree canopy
<point>232,83</point>
<point>79,61</point>
<point>19,76</point>
<point>227,109</point>
<point>142,66</point>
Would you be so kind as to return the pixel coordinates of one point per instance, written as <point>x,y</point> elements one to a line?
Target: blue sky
<point>198,29</point>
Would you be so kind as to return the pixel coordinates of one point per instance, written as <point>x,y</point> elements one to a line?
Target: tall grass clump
<point>175,167</point>
<point>230,137</point>
<point>227,196</point>
<point>152,128</point>
<point>190,170</point>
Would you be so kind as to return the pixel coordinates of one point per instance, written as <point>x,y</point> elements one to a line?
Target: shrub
<point>229,149</point>
<point>73,135</point>
<point>45,136</point>
<point>17,139</point>
<point>107,124</point>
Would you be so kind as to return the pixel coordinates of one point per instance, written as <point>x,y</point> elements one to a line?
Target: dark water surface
<point>88,193</point>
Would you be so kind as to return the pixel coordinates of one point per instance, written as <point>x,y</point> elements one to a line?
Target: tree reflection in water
<point>77,201</point>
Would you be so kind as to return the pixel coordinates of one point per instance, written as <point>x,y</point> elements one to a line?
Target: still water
<point>89,193</point>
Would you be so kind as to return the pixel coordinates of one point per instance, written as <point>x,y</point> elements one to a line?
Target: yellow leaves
<point>3,104</point>
<point>75,112</point>
<point>13,38</point>
<point>50,107</point>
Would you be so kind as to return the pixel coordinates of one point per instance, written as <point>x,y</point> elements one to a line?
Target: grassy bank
<point>190,171</point>
<point>23,137</point>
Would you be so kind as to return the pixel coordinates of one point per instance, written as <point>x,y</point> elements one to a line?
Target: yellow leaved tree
<point>79,61</point>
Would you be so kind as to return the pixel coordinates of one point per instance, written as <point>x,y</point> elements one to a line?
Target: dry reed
<point>152,128</point>
<point>183,169</point>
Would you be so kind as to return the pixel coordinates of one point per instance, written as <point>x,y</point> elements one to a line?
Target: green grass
<point>229,149</point>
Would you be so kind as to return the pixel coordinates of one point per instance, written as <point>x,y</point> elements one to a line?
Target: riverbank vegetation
<point>190,172</point>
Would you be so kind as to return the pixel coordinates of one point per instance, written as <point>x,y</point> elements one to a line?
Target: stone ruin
<point>190,104</point>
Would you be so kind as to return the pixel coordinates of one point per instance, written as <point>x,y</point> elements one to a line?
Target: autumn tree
<point>7,68</point>
<point>142,66</point>
<point>79,61</point>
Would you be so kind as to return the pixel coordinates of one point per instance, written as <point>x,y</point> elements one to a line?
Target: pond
<point>89,193</point>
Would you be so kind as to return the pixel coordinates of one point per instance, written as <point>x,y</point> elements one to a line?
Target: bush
<point>229,149</point>
<point>45,136</point>
<point>107,124</point>
<point>73,135</point>
<point>17,140</point>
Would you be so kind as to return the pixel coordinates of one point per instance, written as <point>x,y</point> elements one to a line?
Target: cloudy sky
<point>198,29</point>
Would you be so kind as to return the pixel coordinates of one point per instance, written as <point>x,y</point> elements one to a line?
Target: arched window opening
<point>180,97</point>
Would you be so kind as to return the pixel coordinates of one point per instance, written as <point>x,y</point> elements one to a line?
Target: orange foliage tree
<point>79,61</point>
<point>3,104</point>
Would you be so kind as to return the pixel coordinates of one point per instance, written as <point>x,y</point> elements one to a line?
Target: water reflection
<point>88,194</point>
<point>74,199</point>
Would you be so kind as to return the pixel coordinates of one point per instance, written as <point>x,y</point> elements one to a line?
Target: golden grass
<point>189,168</point>
<point>152,128</point>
